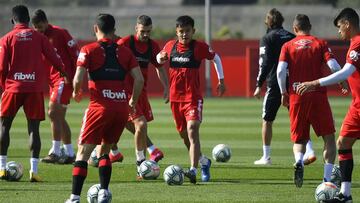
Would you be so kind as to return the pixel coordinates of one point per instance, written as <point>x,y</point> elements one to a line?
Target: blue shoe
<point>205,171</point>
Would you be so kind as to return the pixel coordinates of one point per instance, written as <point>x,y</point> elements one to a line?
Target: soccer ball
<point>14,171</point>
<point>93,160</point>
<point>149,170</point>
<point>221,153</point>
<point>92,194</point>
<point>325,191</point>
<point>336,175</point>
<point>174,175</point>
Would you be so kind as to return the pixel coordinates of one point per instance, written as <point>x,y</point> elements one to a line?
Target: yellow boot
<point>35,177</point>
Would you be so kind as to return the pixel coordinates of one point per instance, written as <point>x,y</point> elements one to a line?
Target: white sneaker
<point>104,196</point>
<point>263,161</point>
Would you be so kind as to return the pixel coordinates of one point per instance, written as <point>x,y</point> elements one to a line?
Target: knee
<point>51,114</point>
<point>340,144</point>
<point>141,126</point>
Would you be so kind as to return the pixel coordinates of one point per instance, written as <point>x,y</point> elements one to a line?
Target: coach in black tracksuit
<point>270,47</point>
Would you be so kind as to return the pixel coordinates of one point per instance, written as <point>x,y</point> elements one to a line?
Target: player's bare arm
<point>138,85</point>
<point>162,75</point>
<point>77,82</point>
<point>257,92</point>
<point>162,57</point>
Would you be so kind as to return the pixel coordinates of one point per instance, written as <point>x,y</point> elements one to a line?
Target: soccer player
<point>185,56</point>
<point>302,58</point>
<point>348,23</point>
<point>107,65</point>
<point>60,93</point>
<point>270,47</point>
<point>145,50</point>
<point>22,79</point>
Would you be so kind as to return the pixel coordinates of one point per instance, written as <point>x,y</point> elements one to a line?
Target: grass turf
<point>232,121</point>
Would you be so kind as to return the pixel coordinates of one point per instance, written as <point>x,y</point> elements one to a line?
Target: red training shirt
<point>185,81</point>
<point>352,57</point>
<point>305,56</point>
<point>21,66</point>
<point>92,57</point>
<point>67,49</point>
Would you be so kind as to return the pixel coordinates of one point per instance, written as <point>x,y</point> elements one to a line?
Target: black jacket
<point>269,51</point>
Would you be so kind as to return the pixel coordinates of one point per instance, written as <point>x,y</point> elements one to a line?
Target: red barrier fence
<point>240,62</point>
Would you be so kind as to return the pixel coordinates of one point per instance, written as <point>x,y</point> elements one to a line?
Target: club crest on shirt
<point>354,55</point>
<point>303,43</point>
<point>24,35</point>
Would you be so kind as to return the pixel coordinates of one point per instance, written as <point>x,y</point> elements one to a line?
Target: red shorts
<point>61,93</point>
<point>33,104</point>
<point>142,108</point>
<point>186,111</point>
<point>351,124</point>
<point>316,113</point>
<point>102,126</point>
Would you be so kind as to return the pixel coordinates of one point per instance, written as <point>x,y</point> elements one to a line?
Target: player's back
<point>305,56</point>
<point>24,47</point>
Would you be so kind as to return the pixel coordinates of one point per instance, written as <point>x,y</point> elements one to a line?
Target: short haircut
<point>302,22</point>
<point>274,18</point>
<point>106,23</point>
<point>20,14</point>
<point>39,17</point>
<point>144,20</point>
<point>348,14</point>
<point>183,21</point>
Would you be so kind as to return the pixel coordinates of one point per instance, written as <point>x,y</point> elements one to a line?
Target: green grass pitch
<point>232,121</point>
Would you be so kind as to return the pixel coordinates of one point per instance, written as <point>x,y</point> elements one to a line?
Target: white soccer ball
<point>92,194</point>
<point>93,160</point>
<point>174,175</point>
<point>336,175</point>
<point>149,170</point>
<point>326,191</point>
<point>14,171</point>
<point>221,153</point>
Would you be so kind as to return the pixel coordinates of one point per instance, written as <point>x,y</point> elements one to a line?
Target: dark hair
<point>38,17</point>
<point>348,14</point>
<point>274,18</point>
<point>106,23</point>
<point>183,21</point>
<point>302,22</point>
<point>20,14</point>
<point>144,20</point>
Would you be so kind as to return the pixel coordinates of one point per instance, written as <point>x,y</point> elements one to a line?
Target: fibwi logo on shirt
<point>114,95</point>
<point>180,59</point>
<point>24,76</point>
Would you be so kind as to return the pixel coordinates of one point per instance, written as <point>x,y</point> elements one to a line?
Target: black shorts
<point>272,102</point>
